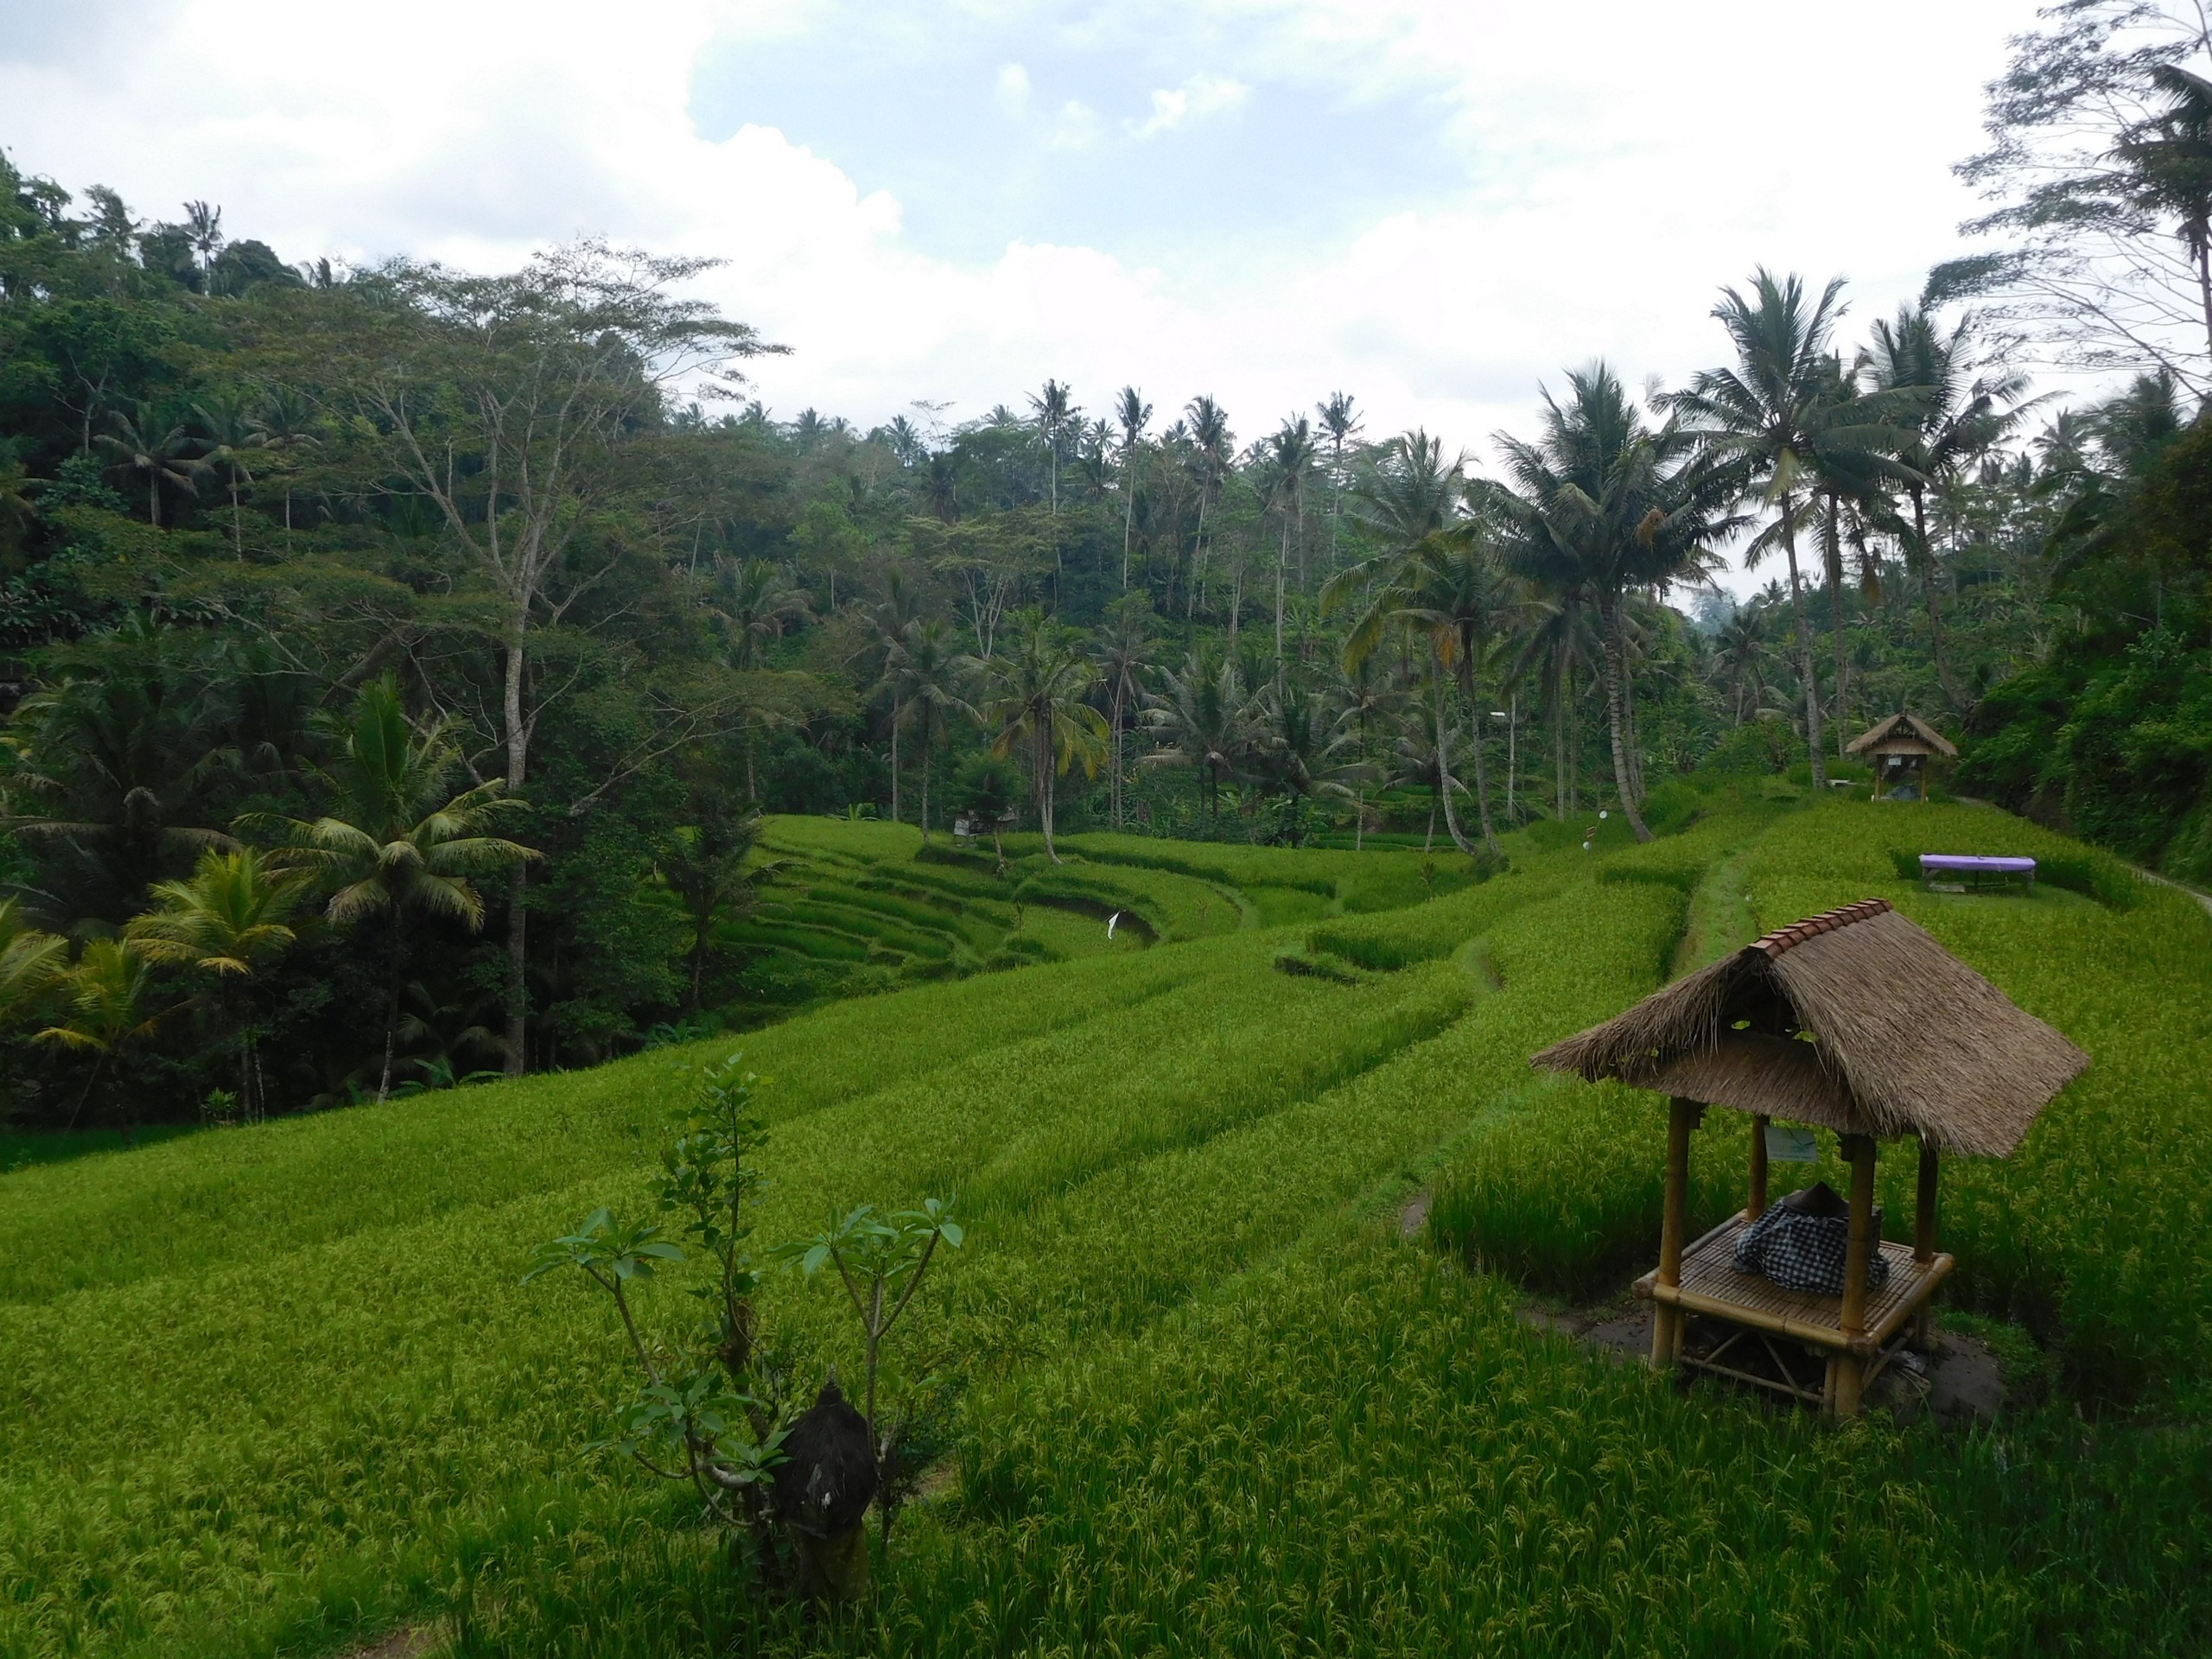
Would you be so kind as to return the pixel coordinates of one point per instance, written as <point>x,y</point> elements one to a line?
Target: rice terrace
<point>766,889</point>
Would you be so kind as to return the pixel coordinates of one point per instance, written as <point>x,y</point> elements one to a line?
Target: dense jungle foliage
<point>396,661</point>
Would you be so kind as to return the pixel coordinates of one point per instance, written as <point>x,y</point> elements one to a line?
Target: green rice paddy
<point>277,1389</point>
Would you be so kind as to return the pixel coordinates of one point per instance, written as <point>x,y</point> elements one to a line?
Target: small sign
<point>1790,1145</point>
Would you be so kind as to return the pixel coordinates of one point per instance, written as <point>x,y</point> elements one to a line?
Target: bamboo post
<point>1849,1369</point>
<point>1666,1319</point>
<point>1923,1239</point>
<point>1755,1205</point>
<point>1923,1233</point>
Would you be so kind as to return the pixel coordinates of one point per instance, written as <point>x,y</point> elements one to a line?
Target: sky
<point>1434,206</point>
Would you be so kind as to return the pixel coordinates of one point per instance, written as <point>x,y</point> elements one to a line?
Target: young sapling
<point>881,1260</point>
<point>707,1415</point>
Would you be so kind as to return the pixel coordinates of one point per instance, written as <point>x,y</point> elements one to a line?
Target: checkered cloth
<point>1802,1252</point>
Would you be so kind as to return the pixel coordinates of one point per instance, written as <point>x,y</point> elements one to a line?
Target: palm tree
<point>1133,414</point>
<point>286,423</point>
<point>756,602</point>
<point>887,620</point>
<point>931,674</point>
<point>227,922</point>
<point>1290,452</point>
<point>394,841</point>
<point>1340,419</point>
<point>1122,653</point>
<point>1054,411</point>
<point>1201,719</point>
<point>1364,700</point>
<point>30,961</point>
<point>1455,593</point>
<point>1212,447</point>
<point>16,512</point>
<point>203,229</point>
<point>228,429</point>
<point>2168,161</point>
<point>1741,655</point>
<point>941,488</point>
<point>905,440</point>
<point>1298,753</point>
<point>141,445</point>
<point>1032,700</point>
<point>1555,636</point>
<point>107,992</point>
<point>756,599</point>
<point>1410,492</point>
<point>1770,418</point>
<point>1414,502</point>
<point>1957,417</point>
<point>1603,505</point>
<point>703,869</point>
<point>124,741</point>
<point>1420,758</point>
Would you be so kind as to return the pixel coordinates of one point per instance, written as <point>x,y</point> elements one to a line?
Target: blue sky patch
<point>1153,136</point>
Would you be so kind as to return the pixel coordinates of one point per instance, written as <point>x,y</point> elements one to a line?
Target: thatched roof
<point>1901,733</point>
<point>1853,1020</point>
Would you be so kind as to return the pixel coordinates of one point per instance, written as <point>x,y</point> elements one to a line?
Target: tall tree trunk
<point>1574,744</point>
<point>896,711</point>
<point>1045,786</point>
<point>1282,560</point>
<point>2203,252</point>
<point>1608,624</point>
<point>391,1007</point>
<point>1129,515</point>
<point>1631,730</point>
<point>517,997</point>
<point>1052,457</point>
<point>927,748</point>
<point>1444,771</point>
<point>1476,721</point>
<point>1559,752</point>
<point>1927,562</point>
<point>1117,762</point>
<point>1812,683</point>
<point>1833,551</point>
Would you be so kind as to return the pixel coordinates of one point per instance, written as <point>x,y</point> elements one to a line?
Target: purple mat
<point>1968,863</point>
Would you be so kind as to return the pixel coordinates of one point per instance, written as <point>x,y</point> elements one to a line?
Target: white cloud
<point>1201,96</point>
<point>1622,163</point>
<point>1014,88</point>
<point>1075,127</point>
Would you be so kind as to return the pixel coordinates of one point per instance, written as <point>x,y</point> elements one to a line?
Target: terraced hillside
<point>851,908</point>
<point>278,1389</point>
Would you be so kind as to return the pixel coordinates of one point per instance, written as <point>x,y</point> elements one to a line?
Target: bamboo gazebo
<point>1854,1021</point>
<point>1899,749</point>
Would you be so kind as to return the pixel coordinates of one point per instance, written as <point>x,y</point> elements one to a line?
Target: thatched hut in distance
<point>1854,1021</point>
<point>1899,749</point>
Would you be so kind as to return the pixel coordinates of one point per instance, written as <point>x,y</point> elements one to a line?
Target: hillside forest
<point>397,661</point>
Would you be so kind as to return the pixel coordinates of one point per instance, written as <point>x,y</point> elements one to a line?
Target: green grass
<point>278,1390</point>
<point>20,1149</point>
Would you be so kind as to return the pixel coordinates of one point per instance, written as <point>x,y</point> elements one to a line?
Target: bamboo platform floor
<point>1712,1286</point>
